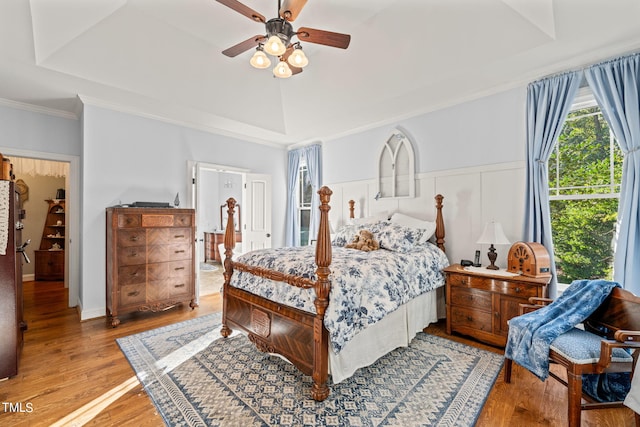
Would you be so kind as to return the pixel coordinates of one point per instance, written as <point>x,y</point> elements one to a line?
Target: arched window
<point>396,167</point>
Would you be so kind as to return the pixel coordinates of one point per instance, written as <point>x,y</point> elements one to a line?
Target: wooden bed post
<point>320,390</point>
<point>229,245</point>
<point>439,222</point>
<point>352,209</point>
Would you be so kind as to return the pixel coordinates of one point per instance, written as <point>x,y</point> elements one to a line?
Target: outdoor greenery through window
<point>304,203</point>
<point>585,172</point>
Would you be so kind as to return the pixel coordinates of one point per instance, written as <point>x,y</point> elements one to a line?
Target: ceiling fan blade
<point>244,10</point>
<point>291,8</point>
<point>327,38</point>
<point>243,46</point>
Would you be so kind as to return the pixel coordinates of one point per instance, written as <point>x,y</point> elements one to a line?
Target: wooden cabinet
<point>12,324</point>
<point>479,304</point>
<point>50,258</point>
<point>150,259</point>
<point>211,242</point>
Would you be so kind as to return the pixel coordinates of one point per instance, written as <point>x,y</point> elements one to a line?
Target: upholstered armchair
<point>606,342</point>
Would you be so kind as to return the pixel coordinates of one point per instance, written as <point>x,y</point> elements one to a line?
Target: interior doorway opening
<point>213,185</point>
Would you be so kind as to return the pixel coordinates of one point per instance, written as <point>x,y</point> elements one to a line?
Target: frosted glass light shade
<point>298,58</point>
<point>274,46</point>
<point>260,60</point>
<point>282,70</point>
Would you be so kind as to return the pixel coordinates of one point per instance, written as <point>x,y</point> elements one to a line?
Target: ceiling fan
<point>278,42</point>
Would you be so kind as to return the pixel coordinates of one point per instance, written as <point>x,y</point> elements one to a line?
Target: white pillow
<point>370,219</point>
<point>429,227</point>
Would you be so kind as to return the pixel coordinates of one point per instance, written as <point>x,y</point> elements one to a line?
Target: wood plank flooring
<point>73,373</point>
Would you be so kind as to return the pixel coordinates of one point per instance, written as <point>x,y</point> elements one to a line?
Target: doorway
<point>213,185</point>
<point>72,209</point>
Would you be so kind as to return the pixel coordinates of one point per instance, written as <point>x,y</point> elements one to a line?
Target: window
<point>305,192</point>
<point>585,172</point>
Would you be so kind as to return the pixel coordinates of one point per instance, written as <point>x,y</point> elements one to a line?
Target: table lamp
<point>493,234</point>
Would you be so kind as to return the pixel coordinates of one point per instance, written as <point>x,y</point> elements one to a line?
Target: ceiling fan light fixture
<point>282,70</point>
<point>274,46</point>
<point>298,58</point>
<point>259,59</point>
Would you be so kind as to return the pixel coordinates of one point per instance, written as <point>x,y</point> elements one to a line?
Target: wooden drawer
<point>180,251</point>
<point>168,288</point>
<point>133,255</point>
<point>132,295</point>
<point>471,318</point>
<point>132,274</point>
<point>468,297</point>
<point>179,235</point>
<point>180,268</point>
<point>516,289</point>
<point>182,220</point>
<point>129,220</point>
<point>157,220</point>
<point>136,237</point>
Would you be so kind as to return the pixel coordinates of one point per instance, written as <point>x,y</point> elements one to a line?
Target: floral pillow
<point>398,238</point>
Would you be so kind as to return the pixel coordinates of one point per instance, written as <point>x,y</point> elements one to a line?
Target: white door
<point>257,205</point>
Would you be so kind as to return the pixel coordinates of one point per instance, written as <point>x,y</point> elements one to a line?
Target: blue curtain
<point>291,235</point>
<point>548,103</point>
<point>311,156</point>
<point>616,87</point>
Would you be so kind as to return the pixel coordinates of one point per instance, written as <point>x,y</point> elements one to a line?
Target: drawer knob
<point>133,294</point>
<point>179,252</point>
<point>179,236</point>
<point>517,290</point>
<point>180,285</point>
<point>134,238</point>
<point>179,268</point>
<point>470,319</point>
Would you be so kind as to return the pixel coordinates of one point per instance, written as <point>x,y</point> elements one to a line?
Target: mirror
<point>396,167</point>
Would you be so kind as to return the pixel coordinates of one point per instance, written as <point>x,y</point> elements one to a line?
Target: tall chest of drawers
<point>150,259</point>
<point>480,304</point>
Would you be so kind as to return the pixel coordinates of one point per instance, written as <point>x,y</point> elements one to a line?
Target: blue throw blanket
<point>531,334</point>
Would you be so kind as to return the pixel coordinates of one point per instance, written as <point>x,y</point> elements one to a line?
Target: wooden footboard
<point>298,335</point>
<point>275,328</point>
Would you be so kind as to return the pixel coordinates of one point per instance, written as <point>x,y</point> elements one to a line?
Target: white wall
<point>473,154</point>
<point>129,158</point>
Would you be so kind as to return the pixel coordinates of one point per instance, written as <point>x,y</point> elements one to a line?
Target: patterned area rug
<point>197,378</point>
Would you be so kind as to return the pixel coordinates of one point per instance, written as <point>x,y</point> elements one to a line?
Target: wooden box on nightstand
<point>479,304</point>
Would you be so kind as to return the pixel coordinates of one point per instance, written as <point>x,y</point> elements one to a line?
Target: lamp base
<point>492,257</point>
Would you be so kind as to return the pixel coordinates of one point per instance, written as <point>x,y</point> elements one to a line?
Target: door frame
<point>194,170</point>
<point>72,206</point>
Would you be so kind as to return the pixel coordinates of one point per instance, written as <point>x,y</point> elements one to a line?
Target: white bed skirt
<point>397,329</point>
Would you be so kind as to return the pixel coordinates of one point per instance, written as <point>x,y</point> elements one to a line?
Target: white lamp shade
<point>298,58</point>
<point>274,46</point>
<point>260,60</point>
<point>493,235</point>
<point>282,70</point>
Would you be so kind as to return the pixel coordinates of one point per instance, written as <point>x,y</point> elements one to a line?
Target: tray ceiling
<point>162,58</point>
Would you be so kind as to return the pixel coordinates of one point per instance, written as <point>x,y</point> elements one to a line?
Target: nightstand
<point>480,301</point>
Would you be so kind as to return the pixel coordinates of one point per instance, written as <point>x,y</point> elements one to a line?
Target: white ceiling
<point>162,58</point>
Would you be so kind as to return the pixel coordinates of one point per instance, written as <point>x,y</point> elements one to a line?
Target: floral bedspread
<point>365,286</point>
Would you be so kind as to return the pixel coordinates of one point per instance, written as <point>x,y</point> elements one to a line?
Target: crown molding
<point>38,109</point>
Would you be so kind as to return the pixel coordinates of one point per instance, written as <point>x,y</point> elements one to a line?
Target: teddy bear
<point>364,241</point>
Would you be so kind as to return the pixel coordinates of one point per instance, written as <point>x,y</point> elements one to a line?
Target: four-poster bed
<point>297,331</point>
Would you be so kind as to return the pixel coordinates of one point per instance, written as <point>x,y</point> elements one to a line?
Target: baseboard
<point>90,314</point>
<point>28,277</point>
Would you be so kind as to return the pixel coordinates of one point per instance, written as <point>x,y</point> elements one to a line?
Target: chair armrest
<point>540,301</point>
<point>625,336</point>
<point>528,308</point>
<point>607,346</point>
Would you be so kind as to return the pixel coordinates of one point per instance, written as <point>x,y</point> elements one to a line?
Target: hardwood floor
<point>73,373</point>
